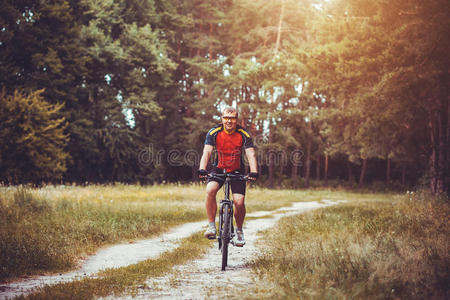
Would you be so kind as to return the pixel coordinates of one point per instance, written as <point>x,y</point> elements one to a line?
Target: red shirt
<point>229,147</point>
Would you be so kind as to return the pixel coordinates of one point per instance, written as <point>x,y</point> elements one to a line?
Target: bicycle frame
<point>226,204</point>
<point>226,216</point>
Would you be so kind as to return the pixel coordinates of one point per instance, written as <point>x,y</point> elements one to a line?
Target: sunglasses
<point>229,118</point>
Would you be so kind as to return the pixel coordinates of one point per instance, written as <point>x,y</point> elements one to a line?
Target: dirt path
<point>112,257</point>
<point>197,279</point>
<point>203,278</point>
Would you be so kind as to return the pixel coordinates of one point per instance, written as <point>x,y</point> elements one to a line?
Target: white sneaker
<point>238,239</point>
<point>210,233</point>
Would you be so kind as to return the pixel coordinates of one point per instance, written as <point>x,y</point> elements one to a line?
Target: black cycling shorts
<point>237,186</point>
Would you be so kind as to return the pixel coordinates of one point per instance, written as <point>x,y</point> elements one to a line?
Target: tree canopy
<point>126,90</point>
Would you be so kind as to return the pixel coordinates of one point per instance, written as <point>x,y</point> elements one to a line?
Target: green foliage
<point>33,138</point>
<point>373,58</point>
<point>352,80</point>
<point>132,70</point>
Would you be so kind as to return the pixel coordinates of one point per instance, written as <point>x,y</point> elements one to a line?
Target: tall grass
<point>126,279</point>
<point>361,250</point>
<point>49,229</point>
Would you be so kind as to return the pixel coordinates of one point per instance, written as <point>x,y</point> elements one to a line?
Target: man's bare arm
<point>251,156</point>
<point>207,150</point>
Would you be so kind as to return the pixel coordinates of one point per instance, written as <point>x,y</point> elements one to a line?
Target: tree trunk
<point>271,155</point>
<point>294,175</point>
<point>350,173</point>
<point>200,30</point>
<point>326,170</point>
<point>280,178</point>
<point>403,175</point>
<point>271,158</point>
<point>318,168</point>
<point>194,173</point>
<point>280,25</point>
<point>308,163</point>
<point>363,173</point>
<point>439,138</point>
<point>432,161</point>
<point>388,171</point>
<point>210,51</point>
<point>271,169</point>
<point>442,163</point>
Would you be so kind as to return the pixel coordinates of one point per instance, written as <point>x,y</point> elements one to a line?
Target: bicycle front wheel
<point>225,236</point>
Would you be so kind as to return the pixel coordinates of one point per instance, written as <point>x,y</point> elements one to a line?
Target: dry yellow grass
<point>361,250</point>
<point>49,229</point>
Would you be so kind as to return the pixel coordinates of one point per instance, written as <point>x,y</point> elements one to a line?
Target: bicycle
<point>226,209</point>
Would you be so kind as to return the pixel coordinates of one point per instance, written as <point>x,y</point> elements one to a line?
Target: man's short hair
<point>230,109</point>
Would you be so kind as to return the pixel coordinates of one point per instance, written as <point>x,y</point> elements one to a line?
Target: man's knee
<point>211,189</point>
<point>239,200</point>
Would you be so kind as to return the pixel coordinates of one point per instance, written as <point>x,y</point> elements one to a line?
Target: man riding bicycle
<point>230,140</point>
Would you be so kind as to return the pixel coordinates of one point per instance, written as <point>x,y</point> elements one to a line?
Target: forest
<point>351,92</point>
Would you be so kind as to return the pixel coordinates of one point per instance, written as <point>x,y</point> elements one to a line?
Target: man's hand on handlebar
<point>253,176</point>
<point>202,173</point>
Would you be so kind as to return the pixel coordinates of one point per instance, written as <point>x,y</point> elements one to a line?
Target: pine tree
<point>374,61</point>
<point>33,138</point>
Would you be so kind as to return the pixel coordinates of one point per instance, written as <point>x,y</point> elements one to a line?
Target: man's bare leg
<point>239,212</point>
<point>211,205</point>
<point>239,216</point>
<point>211,209</point>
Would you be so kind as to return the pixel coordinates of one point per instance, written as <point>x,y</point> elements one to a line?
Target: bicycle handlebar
<point>229,175</point>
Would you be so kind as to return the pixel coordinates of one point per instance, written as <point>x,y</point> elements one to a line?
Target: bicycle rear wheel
<point>225,236</point>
